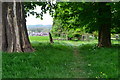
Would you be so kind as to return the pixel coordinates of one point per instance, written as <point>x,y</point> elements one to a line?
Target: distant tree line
<point>39,29</point>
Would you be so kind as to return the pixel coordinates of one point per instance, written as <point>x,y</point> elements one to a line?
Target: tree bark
<point>104,22</point>
<point>0,26</point>
<point>14,35</point>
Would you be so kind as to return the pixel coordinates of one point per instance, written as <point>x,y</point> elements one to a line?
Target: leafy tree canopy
<point>78,15</point>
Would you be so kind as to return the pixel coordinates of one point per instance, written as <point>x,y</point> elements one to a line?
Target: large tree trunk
<point>0,26</point>
<point>14,31</point>
<point>104,22</point>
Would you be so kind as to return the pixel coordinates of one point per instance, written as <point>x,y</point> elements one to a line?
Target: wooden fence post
<point>50,36</point>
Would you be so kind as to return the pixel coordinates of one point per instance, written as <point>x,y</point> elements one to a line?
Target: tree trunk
<point>104,22</point>
<point>14,31</point>
<point>0,26</point>
<point>50,36</point>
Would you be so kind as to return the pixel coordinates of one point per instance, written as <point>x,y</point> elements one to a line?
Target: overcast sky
<point>32,20</point>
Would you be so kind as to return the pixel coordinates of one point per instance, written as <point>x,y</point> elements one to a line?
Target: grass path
<point>77,61</point>
<point>87,66</point>
<point>76,52</point>
<point>78,71</point>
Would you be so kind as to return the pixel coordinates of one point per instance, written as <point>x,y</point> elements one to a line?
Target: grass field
<point>63,59</point>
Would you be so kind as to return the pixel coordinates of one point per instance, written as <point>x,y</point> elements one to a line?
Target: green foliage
<point>77,35</point>
<point>75,15</point>
<point>74,33</point>
<point>57,28</point>
<point>115,7</point>
<point>45,6</point>
<point>72,18</point>
<point>84,16</point>
<point>95,33</point>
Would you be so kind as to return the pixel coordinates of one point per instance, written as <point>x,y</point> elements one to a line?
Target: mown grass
<point>99,62</point>
<point>48,61</point>
<point>39,38</point>
<point>63,59</point>
<point>42,39</point>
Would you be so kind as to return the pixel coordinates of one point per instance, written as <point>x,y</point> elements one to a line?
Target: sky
<point>32,20</point>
